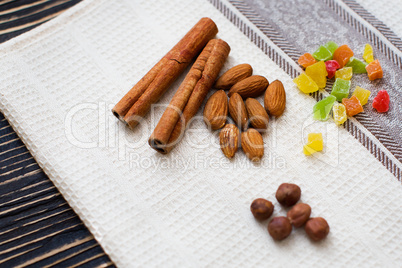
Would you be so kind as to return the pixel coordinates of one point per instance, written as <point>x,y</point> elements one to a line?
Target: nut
<point>317,228</point>
<point>288,194</point>
<point>275,98</point>
<point>262,209</point>
<point>216,110</point>
<point>250,87</point>
<point>279,228</point>
<point>257,115</point>
<point>229,140</point>
<point>238,111</point>
<point>233,75</point>
<point>252,144</point>
<point>299,214</point>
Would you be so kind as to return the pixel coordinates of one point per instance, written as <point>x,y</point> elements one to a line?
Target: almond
<point>229,140</point>
<point>275,98</point>
<point>252,144</point>
<point>216,110</point>
<point>257,115</point>
<point>233,75</point>
<point>238,111</point>
<point>250,87</point>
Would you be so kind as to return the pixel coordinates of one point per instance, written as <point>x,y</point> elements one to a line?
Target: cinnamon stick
<point>137,102</point>
<point>190,95</point>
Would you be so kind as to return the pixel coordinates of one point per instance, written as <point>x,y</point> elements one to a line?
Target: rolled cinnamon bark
<point>190,95</point>
<point>137,102</point>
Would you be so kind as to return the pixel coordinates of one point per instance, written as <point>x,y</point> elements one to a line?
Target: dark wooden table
<point>37,226</point>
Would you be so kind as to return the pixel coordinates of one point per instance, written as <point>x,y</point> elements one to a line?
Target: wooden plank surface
<point>37,227</point>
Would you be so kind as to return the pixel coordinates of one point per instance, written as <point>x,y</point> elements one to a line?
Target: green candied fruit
<point>340,89</point>
<point>331,46</point>
<point>322,54</point>
<point>357,65</point>
<point>322,108</point>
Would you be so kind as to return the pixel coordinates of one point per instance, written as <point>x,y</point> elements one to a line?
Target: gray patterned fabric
<point>330,20</point>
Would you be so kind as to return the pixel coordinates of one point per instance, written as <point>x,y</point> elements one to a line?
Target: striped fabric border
<point>383,137</point>
<point>367,33</point>
<point>379,25</point>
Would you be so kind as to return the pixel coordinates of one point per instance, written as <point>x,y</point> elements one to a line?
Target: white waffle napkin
<point>189,208</point>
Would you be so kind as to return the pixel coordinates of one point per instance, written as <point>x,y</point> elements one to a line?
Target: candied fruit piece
<point>305,83</point>
<point>322,54</point>
<point>352,106</point>
<point>332,66</point>
<point>345,73</point>
<point>374,70</point>
<point>368,55</point>
<point>339,113</point>
<point>306,60</point>
<point>381,101</point>
<point>331,46</point>
<point>314,144</point>
<point>357,65</point>
<point>322,108</point>
<point>340,89</point>
<point>362,94</point>
<point>342,55</point>
<point>318,72</point>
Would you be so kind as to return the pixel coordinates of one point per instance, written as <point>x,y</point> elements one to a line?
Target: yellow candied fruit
<point>362,94</point>
<point>314,144</point>
<point>345,73</point>
<point>318,72</point>
<point>368,55</point>
<point>339,113</point>
<point>305,83</point>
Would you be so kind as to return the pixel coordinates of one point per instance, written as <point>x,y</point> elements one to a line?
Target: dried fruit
<point>257,115</point>
<point>216,110</point>
<point>279,228</point>
<point>381,101</point>
<point>251,87</point>
<point>317,228</point>
<point>275,98</point>
<point>252,144</point>
<point>299,214</point>
<point>238,111</point>
<point>233,75</point>
<point>288,194</point>
<point>262,209</point>
<point>229,140</point>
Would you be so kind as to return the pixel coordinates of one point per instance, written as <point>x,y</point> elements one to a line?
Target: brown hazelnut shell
<point>262,209</point>
<point>279,228</point>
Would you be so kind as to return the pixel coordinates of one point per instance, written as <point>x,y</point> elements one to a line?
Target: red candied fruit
<point>332,66</point>
<point>381,101</point>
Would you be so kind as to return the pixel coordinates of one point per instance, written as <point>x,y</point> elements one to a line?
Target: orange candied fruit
<point>374,70</point>
<point>352,106</point>
<point>306,60</point>
<point>342,55</point>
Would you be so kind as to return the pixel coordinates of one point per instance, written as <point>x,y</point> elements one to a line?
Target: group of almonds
<point>288,194</point>
<point>247,113</point>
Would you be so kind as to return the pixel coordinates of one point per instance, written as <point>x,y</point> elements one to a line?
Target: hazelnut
<point>317,228</point>
<point>262,209</point>
<point>299,214</point>
<point>279,228</point>
<point>288,194</point>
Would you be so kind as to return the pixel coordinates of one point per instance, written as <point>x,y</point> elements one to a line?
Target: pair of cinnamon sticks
<point>191,93</point>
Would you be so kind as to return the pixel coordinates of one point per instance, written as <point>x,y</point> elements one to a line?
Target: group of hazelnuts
<point>279,228</point>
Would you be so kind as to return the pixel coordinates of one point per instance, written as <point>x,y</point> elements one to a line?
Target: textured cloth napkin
<point>191,207</point>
